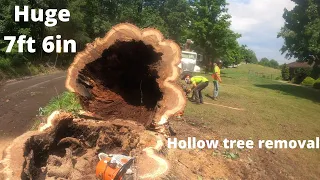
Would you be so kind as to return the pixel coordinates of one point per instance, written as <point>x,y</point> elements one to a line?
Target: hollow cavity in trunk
<point>122,83</point>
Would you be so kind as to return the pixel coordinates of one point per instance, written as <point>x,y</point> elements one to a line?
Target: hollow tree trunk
<point>129,74</point>
<point>126,80</point>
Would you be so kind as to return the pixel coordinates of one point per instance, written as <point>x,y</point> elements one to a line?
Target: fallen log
<point>129,74</point>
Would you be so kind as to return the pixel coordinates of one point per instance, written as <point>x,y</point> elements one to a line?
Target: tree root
<point>60,167</point>
<point>70,140</point>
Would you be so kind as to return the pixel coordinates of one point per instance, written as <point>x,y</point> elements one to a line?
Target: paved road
<point>20,102</point>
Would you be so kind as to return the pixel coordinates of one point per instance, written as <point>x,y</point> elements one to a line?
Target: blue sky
<point>259,22</point>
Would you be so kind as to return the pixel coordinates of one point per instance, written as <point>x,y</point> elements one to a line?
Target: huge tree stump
<point>129,74</point>
<point>126,80</point>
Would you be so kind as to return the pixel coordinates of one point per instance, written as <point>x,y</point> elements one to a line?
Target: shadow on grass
<point>298,91</point>
<point>226,77</point>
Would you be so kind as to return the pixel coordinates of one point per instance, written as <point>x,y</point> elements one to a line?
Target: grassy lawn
<point>273,110</point>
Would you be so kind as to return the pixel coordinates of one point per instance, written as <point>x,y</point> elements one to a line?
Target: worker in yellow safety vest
<point>198,84</point>
<point>216,78</point>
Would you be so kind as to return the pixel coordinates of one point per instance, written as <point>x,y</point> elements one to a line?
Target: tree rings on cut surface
<point>129,74</point>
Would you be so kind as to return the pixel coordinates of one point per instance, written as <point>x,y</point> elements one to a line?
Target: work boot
<point>191,99</point>
<point>211,97</point>
<point>195,102</point>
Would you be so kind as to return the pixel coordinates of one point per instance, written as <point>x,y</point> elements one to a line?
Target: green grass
<point>8,70</point>
<point>67,101</point>
<point>246,68</point>
<point>273,110</point>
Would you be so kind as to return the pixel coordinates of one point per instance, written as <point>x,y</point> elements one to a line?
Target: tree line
<point>301,33</point>
<point>206,22</point>
<point>269,63</point>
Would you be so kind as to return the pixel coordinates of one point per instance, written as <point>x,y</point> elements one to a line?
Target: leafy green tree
<point>177,15</point>
<point>301,32</point>
<point>269,63</point>
<point>248,55</point>
<point>234,55</point>
<point>300,74</point>
<point>285,72</point>
<point>265,62</point>
<point>273,63</point>
<point>99,17</point>
<point>206,22</point>
<point>210,28</point>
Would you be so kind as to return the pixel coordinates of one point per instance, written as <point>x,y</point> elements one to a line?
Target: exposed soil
<point>251,164</point>
<point>69,151</point>
<point>123,82</point>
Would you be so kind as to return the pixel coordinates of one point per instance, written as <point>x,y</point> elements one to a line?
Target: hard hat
<point>219,61</point>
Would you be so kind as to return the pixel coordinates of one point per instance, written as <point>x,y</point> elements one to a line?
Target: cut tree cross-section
<point>129,74</point>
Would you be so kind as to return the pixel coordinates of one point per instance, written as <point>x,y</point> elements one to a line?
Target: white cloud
<point>259,22</point>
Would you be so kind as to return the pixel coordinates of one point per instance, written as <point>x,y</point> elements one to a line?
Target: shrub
<point>278,78</point>
<point>316,84</point>
<point>300,74</point>
<point>308,81</point>
<point>315,73</point>
<point>18,60</point>
<point>285,72</point>
<point>5,63</point>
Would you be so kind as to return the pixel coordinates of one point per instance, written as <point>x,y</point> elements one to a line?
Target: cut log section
<point>129,74</point>
<point>67,148</point>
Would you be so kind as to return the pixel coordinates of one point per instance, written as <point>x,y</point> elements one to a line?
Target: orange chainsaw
<point>113,167</point>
